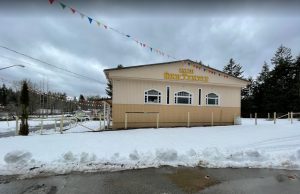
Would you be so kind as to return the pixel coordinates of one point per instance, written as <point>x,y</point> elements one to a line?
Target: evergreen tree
<point>247,102</point>
<point>233,69</point>
<point>108,89</point>
<point>109,86</point>
<point>296,85</point>
<point>120,66</point>
<point>24,101</point>
<point>278,88</point>
<point>3,95</point>
<point>283,56</point>
<point>248,91</point>
<point>264,74</point>
<point>81,98</point>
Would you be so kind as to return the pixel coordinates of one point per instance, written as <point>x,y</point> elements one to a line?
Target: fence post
<point>188,120</point>
<point>17,125</point>
<point>291,117</point>
<point>212,118</point>
<point>108,116</point>
<point>42,125</point>
<point>100,120</point>
<point>255,118</point>
<point>268,116</point>
<point>55,125</point>
<point>157,120</point>
<point>274,117</point>
<point>61,124</point>
<point>125,121</point>
<point>104,113</point>
<point>250,115</point>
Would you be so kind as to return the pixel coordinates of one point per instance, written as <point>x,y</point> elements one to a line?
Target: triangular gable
<point>177,71</point>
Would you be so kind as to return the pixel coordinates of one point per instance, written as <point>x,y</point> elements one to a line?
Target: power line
<point>49,64</point>
<point>26,69</point>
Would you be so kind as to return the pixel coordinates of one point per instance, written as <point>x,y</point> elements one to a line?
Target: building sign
<point>185,74</point>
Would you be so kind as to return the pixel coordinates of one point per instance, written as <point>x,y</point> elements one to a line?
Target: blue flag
<point>90,20</point>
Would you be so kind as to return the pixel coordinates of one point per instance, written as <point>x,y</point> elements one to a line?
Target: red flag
<point>51,1</point>
<point>73,10</point>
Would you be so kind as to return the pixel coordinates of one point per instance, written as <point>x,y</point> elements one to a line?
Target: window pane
<point>212,95</point>
<point>183,94</point>
<point>153,99</point>
<point>182,100</point>
<point>153,92</point>
<point>211,101</point>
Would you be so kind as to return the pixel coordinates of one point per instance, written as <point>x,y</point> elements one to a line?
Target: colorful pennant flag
<point>62,5</point>
<point>90,20</point>
<point>82,15</point>
<point>73,10</point>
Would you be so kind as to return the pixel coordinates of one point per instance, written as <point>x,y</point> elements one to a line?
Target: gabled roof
<point>156,64</point>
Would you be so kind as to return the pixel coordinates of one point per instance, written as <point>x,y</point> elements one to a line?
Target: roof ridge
<point>163,63</point>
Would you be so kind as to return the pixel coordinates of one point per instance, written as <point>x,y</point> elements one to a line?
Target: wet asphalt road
<point>160,180</point>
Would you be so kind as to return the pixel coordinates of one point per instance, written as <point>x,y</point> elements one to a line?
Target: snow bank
<point>263,146</point>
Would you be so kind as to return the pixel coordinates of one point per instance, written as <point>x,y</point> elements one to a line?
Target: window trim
<point>192,95</point>
<point>206,99</point>
<point>150,95</point>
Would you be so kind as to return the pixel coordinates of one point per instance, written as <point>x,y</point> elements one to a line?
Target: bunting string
<point>208,70</point>
<point>108,27</point>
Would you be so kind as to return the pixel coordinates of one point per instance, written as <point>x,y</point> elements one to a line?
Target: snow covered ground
<point>7,126</point>
<point>266,145</point>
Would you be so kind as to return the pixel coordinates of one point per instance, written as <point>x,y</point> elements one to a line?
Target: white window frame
<point>218,98</point>
<point>191,96</point>
<point>159,97</point>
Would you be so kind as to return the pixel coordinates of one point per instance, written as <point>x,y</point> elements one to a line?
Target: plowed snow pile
<point>266,145</point>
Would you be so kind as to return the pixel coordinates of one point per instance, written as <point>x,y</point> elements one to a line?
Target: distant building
<point>44,111</point>
<point>178,93</point>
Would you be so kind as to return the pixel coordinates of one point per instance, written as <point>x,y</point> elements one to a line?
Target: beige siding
<point>132,92</point>
<point>171,115</point>
<point>129,86</point>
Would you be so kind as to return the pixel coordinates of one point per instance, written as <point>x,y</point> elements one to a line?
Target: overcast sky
<point>213,32</point>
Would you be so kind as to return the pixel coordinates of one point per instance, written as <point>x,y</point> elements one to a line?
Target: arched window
<point>152,96</point>
<point>183,98</point>
<point>212,99</point>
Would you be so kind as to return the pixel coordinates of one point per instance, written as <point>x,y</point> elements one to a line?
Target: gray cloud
<point>248,34</point>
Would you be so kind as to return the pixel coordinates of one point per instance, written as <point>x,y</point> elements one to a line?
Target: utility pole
<point>43,97</point>
<point>47,96</point>
<point>40,98</point>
